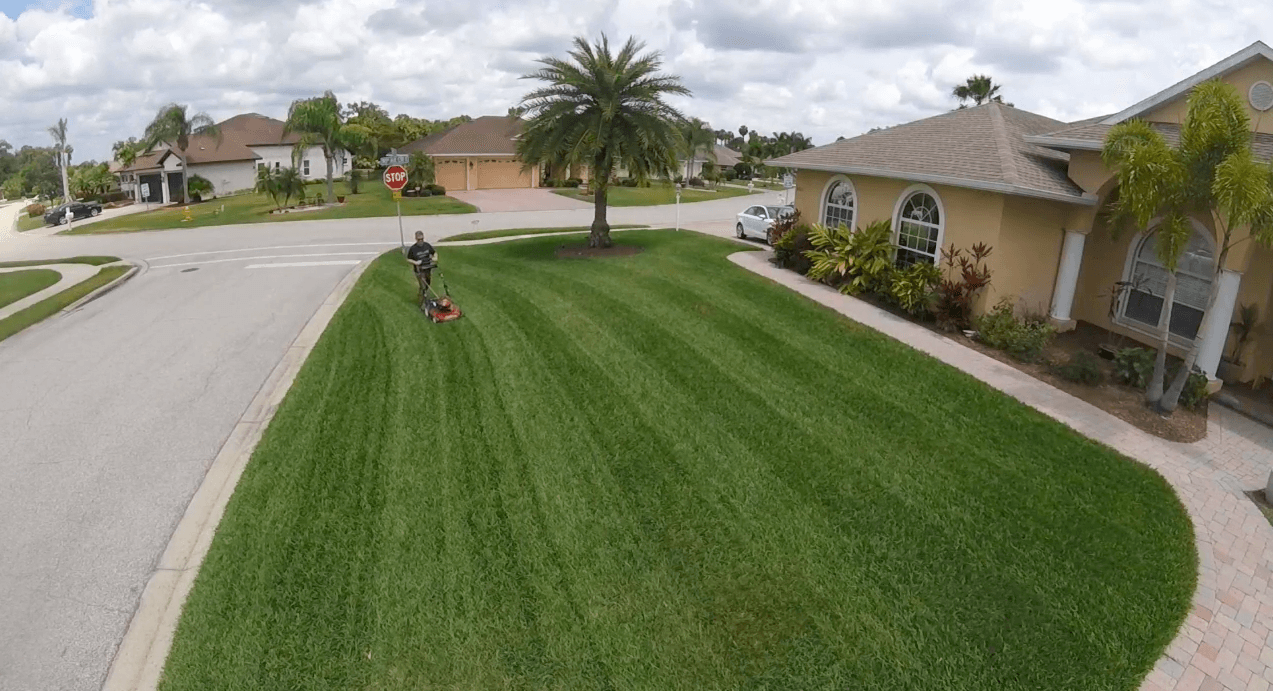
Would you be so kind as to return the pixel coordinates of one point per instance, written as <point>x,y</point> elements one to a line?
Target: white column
<point>1067,277</point>
<point>1215,324</point>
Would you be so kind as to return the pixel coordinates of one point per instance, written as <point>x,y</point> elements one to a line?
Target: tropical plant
<point>966,275</point>
<point>860,261</point>
<point>912,288</point>
<point>1212,174</point>
<point>174,127</point>
<point>89,179</point>
<point>267,183</point>
<point>1134,366</point>
<point>1023,339</point>
<point>791,248</point>
<point>781,226</point>
<point>321,123</point>
<point>980,88</point>
<point>698,139</point>
<point>829,259</point>
<point>355,177</point>
<point>63,151</point>
<point>1082,368</point>
<point>290,183</point>
<point>420,170</point>
<point>606,110</point>
<point>199,186</point>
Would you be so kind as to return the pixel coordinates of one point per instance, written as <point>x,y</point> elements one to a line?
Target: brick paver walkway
<point>1225,642</point>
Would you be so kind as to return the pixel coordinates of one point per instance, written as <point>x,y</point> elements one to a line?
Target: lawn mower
<point>438,308</point>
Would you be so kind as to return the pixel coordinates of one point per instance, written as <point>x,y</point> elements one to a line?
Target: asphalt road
<point>111,415</point>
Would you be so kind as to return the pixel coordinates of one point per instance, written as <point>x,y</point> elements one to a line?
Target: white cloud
<point>823,67</point>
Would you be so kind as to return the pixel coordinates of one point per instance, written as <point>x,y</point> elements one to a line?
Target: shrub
<point>858,262</point>
<point>574,182</point>
<point>435,190</point>
<point>678,179</point>
<point>729,174</point>
<point>782,226</point>
<point>1195,394</point>
<point>199,186</point>
<point>1023,339</point>
<point>36,210</point>
<point>355,177</point>
<point>790,249</point>
<point>696,182</point>
<point>966,276</point>
<point>628,182</point>
<point>1134,366</point>
<point>912,288</point>
<point>1083,368</point>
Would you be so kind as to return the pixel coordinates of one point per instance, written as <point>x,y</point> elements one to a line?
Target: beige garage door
<point>449,174</point>
<point>500,175</point>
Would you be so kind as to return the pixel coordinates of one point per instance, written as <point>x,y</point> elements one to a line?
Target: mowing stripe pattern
<point>661,472</point>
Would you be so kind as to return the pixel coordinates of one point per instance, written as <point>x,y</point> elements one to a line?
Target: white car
<point>756,221</point>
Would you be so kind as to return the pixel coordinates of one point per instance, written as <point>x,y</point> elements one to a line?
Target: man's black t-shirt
<point>421,252</point>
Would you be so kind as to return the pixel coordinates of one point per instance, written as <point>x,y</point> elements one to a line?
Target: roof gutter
<point>1063,143</point>
<point>1084,200</point>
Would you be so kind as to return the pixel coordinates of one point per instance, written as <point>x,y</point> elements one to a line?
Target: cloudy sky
<point>823,67</point>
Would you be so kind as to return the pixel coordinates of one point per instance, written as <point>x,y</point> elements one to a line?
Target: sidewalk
<point>1225,642</point>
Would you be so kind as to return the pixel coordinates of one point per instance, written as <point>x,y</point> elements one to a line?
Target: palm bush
<point>857,262</point>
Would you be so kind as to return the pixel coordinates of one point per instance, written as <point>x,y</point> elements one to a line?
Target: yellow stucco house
<point>1032,188</point>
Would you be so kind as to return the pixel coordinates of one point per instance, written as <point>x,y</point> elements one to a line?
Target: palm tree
<point>174,128</point>
<point>58,132</point>
<point>1212,174</point>
<point>980,88</point>
<point>698,137</point>
<point>606,110</point>
<point>320,123</point>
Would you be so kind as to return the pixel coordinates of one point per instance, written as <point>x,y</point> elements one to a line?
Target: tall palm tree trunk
<point>1154,392</point>
<point>330,162</point>
<point>62,160</point>
<point>600,236</point>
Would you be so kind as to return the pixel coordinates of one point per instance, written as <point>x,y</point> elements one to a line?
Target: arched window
<point>919,228</point>
<point>841,202</point>
<point>1147,279</point>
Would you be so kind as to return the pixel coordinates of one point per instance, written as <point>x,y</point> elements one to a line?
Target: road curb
<point>140,659</point>
<point>136,268</point>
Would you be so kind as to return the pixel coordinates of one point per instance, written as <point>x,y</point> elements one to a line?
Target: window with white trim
<point>919,225</point>
<point>840,205</point>
<point>305,167</point>
<point>1148,279</point>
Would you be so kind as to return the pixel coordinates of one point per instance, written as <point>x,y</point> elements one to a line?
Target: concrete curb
<point>137,268</point>
<point>139,661</point>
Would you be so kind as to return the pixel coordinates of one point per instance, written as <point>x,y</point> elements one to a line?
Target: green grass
<point>664,472</point>
<point>51,306</point>
<point>486,234</point>
<point>26,222</point>
<point>655,195</point>
<point>15,285</point>
<point>373,199</point>
<point>90,260</point>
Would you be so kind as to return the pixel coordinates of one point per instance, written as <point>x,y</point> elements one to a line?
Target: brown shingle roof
<point>238,135</point>
<point>493,135</point>
<point>981,147</point>
<point>1091,137</point>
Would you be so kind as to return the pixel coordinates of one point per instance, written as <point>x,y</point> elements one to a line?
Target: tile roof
<point>492,135</point>
<point>1091,137</point>
<point>982,147</point>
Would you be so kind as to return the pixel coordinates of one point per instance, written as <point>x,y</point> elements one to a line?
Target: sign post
<point>145,194</point>
<point>396,179</point>
<point>788,183</point>
<point>678,205</point>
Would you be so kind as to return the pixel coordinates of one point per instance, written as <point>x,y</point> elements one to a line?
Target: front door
<point>176,194</point>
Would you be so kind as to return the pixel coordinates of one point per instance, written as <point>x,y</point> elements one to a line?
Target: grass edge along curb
<point>52,305</point>
<point>138,663</point>
<point>517,232</point>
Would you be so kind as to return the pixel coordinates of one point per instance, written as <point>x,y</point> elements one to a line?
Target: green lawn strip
<point>655,195</point>
<point>51,306</point>
<point>15,285</point>
<point>661,471</point>
<point>373,199</point>
<point>90,260</point>
<point>26,222</point>
<point>486,234</point>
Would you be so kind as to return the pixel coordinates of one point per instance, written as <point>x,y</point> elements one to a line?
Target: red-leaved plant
<point>966,276</point>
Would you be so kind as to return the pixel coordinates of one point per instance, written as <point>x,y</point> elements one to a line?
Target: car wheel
<point>742,234</point>
<point>94,212</point>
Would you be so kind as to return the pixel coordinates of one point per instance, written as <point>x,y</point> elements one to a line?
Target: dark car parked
<point>57,215</point>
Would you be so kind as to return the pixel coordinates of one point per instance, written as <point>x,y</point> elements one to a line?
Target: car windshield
<point>776,211</point>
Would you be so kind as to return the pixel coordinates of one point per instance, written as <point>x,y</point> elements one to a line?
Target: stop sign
<point>395,178</point>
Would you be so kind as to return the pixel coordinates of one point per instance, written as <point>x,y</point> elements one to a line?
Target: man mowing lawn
<point>659,471</point>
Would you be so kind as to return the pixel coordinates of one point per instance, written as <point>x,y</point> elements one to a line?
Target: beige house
<point>1032,188</point>
<point>477,155</point>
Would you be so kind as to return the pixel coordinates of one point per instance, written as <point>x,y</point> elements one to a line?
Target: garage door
<point>499,175</point>
<point>449,174</point>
